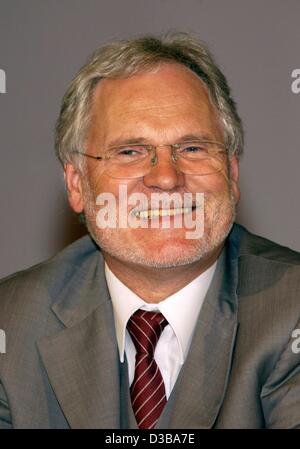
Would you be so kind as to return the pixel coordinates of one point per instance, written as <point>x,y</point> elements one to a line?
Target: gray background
<point>43,43</point>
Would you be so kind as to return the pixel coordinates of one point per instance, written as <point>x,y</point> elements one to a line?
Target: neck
<point>156,284</point>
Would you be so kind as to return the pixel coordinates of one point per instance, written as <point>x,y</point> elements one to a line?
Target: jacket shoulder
<point>268,280</point>
<point>46,279</point>
<point>262,248</point>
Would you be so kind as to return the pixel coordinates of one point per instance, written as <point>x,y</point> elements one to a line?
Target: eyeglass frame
<point>150,148</point>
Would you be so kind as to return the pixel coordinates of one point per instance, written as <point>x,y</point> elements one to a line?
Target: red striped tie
<point>148,396</point>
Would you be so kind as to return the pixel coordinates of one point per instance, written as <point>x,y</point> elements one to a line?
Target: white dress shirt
<point>181,311</point>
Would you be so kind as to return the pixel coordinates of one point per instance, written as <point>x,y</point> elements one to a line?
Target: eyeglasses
<point>136,160</point>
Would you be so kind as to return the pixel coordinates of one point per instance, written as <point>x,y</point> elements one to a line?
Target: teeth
<point>162,212</point>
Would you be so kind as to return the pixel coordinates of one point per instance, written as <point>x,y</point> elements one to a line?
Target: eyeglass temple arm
<point>98,158</point>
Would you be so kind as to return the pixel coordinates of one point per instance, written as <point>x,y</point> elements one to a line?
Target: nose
<point>164,174</point>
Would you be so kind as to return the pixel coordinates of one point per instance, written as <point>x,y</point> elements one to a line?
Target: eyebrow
<point>143,140</point>
<point>120,141</point>
<point>191,137</point>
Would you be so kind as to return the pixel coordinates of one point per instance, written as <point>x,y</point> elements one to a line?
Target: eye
<point>129,153</point>
<point>194,149</point>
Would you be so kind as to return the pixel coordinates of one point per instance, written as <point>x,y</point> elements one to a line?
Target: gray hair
<point>127,57</point>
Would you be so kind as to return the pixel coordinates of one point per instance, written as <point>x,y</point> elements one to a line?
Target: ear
<point>74,187</point>
<point>234,171</point>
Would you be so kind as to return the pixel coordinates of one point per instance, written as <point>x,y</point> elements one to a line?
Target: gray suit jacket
<point>61,367</point>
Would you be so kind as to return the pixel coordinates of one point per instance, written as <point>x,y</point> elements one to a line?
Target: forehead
<point>168,95</point>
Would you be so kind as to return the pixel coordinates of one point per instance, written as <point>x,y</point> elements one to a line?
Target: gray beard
<point>213,238</point>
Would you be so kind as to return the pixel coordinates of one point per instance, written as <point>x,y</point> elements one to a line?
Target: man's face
<point>163,106</point>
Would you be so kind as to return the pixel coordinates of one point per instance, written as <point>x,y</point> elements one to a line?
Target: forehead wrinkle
<point>154,127</point>
<point>155,109</point>
<point>160,100</point>
<point>157,113</point>
<point>190,92</point>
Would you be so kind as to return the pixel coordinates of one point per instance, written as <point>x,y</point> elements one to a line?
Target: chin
<point>166,253</point>
<point>172,257</point>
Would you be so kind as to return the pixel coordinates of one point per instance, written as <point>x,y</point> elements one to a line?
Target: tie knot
<point>145,329</point>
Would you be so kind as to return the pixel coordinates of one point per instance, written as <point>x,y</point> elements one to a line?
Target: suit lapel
<point>82,360</point>
<point>199,391</point>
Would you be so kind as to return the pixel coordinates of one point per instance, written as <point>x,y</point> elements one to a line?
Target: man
<point>153,322</point>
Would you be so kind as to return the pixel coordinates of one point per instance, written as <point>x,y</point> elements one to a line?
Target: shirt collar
<point>180,309</point>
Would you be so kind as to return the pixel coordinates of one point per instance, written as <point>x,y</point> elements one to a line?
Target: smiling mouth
<point>153,213</point>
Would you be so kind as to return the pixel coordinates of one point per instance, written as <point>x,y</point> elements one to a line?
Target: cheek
<point>216,184</point>
<point>96,178</point>
<point>102,183</point>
